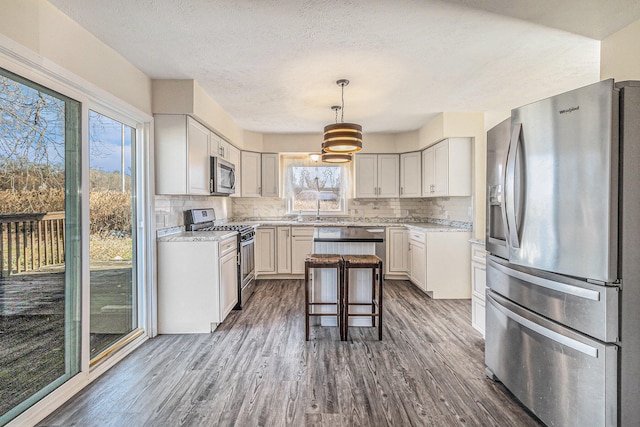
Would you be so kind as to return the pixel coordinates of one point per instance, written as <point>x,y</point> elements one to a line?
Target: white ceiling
<point>272,64</point>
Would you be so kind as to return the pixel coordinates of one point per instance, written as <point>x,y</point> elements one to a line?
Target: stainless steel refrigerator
<point>563,271</point>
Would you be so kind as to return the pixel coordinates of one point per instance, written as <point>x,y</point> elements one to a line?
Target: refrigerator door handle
<point>552,335</point>
<point>546,283</point>
<point>510,184</point>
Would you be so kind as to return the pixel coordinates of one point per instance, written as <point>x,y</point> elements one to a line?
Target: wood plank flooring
<point>257,369</point>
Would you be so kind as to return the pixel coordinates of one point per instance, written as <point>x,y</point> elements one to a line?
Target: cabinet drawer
<point>479,279</point>
<point>228,245</point>
<point>302,231</point>
<point>478,253</point>
<point>416,236</point>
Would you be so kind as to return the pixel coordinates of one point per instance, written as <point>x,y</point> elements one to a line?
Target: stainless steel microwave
<point>223,177</point>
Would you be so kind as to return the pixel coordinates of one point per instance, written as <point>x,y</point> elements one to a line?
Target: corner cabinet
<point>446,168</point>
<point>181,155</point>
<point>411,174</point>
<point>377,175</point>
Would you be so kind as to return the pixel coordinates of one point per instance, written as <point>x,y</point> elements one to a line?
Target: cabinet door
<point>284,250</point>
<point>224,149</point>
<point>428,172</point>
<point>398,248</point>
<point>411,174</point>
<point>301,245</point>
<point>251,173</point>
<point>270,175</point>
<point>418,254</point>
<point>234,157</point>
<point>441,169</point>
<point>228,283</point>
<point>388,175</point>
<point>214,145</point>
<point>198,161</point>
<point>366,175</point>
<point>265,253</point>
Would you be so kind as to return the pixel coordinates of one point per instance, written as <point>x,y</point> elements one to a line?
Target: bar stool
<point>363,261</point>
<point>323,261</point>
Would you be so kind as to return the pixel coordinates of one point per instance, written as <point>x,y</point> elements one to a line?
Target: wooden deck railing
<point>30,241</point>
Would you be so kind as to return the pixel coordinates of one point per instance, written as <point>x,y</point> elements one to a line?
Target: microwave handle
<point>233,179</point>
<point>211,185</point>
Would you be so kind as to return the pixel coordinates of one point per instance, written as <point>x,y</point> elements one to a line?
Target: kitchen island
<point>344,241</point>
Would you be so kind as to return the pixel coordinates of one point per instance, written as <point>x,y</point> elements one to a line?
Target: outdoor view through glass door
<point>39,242</point>
<point>112,241</point>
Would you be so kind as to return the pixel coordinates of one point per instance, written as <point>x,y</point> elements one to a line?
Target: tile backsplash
<point>442,208</point>
<point>169,210</point>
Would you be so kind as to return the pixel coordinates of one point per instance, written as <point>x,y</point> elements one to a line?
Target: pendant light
<point>342,137</point>
<point>336,157</point>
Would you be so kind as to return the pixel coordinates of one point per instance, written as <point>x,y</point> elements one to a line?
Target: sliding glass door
<point>112,238</point>
<point>40,242</point>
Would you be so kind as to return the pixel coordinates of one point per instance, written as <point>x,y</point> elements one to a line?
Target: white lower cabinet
<point>265,250</point>
<point>283,243</point>
<point>282,249</point>
<point>228,266</point>
<point>439,263</point>
<point>197,285</point>
<point>301,245</point>
<point>478,285</point>
<point>417,259</point>
<point>397,250</point>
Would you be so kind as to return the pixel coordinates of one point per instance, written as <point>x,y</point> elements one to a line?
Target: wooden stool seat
<point>374,263</point>
<point>323,261</point>
<point>323,258</point>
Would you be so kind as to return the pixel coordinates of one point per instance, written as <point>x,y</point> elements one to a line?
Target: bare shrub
<point>110,211</point>
<point>108,248</point>
<point>29,201</point>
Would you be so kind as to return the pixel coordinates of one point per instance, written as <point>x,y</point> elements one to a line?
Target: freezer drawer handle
<point>549,284</point>
<point>554,336</point>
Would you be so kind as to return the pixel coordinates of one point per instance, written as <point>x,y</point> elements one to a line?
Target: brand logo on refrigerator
<point>570,110</point>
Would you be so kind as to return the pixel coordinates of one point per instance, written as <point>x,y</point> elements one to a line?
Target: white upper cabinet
<point>446,168</point>
<point>234,157</point>
<point>270,175</point>
<point>251,173</point>
<point>182,155</point>
<point>377,175</point>
<point>411,174</point>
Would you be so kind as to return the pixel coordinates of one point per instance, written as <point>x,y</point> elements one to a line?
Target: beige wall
<point>311,142</point>
<point>42,28</point>
<point>620,54</point>
<point>450,125</point>
<point>187,97</point>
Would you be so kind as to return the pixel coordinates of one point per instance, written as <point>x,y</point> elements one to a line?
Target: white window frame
<point>290,161</point>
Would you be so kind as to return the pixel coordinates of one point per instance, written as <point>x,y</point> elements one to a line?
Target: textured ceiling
<point>272,64</point>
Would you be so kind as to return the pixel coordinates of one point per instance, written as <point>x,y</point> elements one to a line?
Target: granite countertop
<point>197,236</point>
<point>422,226</point>
<point>345,234</point>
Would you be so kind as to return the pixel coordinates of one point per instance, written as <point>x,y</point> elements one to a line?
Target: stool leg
<point>345,316</point>
<point>340,300</point>
<point>306,300</point>
<point>380,302</point>
<point>373,296</point>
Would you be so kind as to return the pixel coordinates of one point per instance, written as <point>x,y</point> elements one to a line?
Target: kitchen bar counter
<point>345,234</point>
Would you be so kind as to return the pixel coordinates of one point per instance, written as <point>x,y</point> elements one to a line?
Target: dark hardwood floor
<point>257,369</point>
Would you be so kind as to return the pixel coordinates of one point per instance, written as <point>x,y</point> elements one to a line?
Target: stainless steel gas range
<point>204,220</point>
